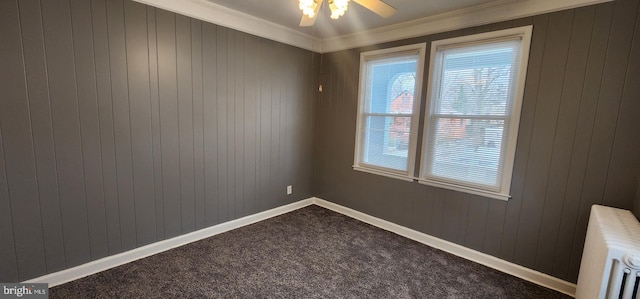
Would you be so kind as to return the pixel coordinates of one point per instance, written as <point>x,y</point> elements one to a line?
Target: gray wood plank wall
<point>122,125</point>
<point>578,143</point>
<point>636,204</point>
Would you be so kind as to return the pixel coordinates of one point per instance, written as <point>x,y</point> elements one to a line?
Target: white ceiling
<point>278,19</point>
<point>356,19</point>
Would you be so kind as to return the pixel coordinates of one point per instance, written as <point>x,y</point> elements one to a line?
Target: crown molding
<point>223,16</point>
<point>492,12</point>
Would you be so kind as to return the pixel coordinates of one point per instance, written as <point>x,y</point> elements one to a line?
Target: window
<point>475,90</point>
<point>389,101</point>
<point>471,118</point>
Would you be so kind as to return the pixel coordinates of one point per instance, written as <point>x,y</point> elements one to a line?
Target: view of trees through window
<point>468,120</point>
<point>401,95</point>
<point>470,114</point>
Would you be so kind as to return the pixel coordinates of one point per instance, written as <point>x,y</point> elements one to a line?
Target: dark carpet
<point>308,253</point>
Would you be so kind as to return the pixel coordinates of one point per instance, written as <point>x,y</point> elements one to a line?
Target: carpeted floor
<point>307,253</point>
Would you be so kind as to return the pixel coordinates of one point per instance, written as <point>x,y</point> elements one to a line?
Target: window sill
<point>468,190</point>
<point>392,175</point>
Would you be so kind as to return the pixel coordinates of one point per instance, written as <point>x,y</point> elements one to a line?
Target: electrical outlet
<point>289,189</point>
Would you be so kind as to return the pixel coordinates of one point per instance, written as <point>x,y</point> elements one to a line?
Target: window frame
<point>503,190</point>
<point>377,55</point>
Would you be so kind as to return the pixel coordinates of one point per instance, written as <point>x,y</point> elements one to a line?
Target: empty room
<point>320,149</point>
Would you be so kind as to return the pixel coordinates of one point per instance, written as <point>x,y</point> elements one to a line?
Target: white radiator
<point>610,265</point>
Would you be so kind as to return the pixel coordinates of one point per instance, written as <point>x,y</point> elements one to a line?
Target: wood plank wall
<point>578,143</point>
<point>636,205</point>
<point>122,125</point>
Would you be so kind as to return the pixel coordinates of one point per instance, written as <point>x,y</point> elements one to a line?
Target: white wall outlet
<point>289,189</point>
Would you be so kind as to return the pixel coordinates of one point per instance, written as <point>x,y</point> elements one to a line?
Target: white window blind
<point>388,108</point>
<point>475,93</point>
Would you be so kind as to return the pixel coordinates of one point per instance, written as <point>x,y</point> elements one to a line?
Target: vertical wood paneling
<point>346,140</point>
<point>624,154</point>
<point>238,126</point>
<point>198,122</point>
<point>437,219</point>
<point>151,127</point>
<point>135,18</point>
<point>250,87</point>
<point>636,203</point>
<point>299,122</point>
<point>618,50</point>
<point>527,116</point>
<point>582,139</point>
<point>276,125</point>
<point>170,142</point>
<point>625,151</point>
<point>231,124</point>
<point>454,216</point>
<point>574,98</point>
<point>155,121</point>
<point>476,232</point>
<point>340,89</point>
<point>420,209</point>
<point>43,141</point>
<point>209,80</point>
<point>265,123</point>
<point>565,132</point>
<point>546,118</point>
<point>18,148</point>
<point>121,122</point>
<point>222,124</point>
<point>8,262</point>
<point>105,114</point>
<point>122,125</point>
<point>89,127</point>
<point>406,190</point>
<point>327,123</point>
<point>185,122</point>
<point>609,102</point>
<point>58,40</point>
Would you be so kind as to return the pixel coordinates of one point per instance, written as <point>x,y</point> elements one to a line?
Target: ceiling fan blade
<point>307,21</point>
<point>377,6</point>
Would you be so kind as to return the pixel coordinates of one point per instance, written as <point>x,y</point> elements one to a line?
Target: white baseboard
<point>109,262</point>
<point>112,261</point>
<point>455,249</point>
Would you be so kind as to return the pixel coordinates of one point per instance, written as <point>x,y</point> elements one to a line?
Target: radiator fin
<point>610,267</point>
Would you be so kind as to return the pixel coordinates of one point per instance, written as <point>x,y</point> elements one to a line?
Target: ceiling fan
<point>310,9</point>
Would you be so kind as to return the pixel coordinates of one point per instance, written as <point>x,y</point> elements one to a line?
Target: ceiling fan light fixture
<point>308,7</point>
<point>338,8</point>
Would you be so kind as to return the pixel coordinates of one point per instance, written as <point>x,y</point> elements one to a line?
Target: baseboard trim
<point>536,277</point>
<point>67,275</point>
<point>112,261</point>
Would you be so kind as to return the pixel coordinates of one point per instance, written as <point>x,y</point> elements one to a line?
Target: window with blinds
<point>389,101</point>
<point>475,92</point>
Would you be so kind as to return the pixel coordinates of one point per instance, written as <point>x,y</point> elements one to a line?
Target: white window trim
<point>525,34</point>
<point>420,50</point>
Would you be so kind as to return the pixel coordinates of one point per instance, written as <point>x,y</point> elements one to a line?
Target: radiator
<point>610,266</point>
